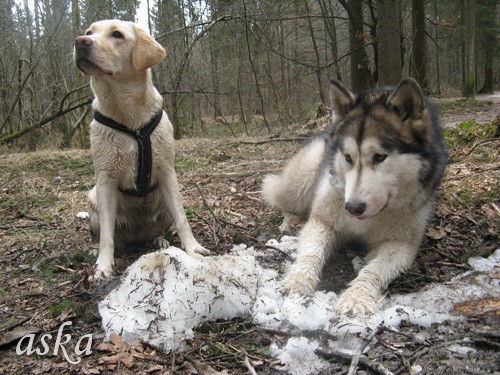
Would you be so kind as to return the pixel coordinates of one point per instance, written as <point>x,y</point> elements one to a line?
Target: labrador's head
<point>114,47</point>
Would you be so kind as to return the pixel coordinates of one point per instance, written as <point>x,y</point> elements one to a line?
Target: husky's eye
<point>378,158</point>
<point>348,158</point>
<point>117,35</point>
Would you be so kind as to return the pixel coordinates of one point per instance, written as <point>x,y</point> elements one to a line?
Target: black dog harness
<point>145,154</point>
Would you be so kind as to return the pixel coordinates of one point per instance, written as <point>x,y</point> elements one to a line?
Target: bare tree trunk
<point>437,52</point>
<point>389,48</point>
<point>419,50</point>
<point>317,71</point>
<point>469,49</point>
<point>75,18</point>
<point>361,76</point>
<point>331,29</point>
<point>250,59</point>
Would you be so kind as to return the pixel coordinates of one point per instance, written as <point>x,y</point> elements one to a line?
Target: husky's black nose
<point>355,209</point>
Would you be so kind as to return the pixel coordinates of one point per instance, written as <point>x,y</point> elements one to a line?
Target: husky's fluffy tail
<point>293,189</point>
<point>271,185</point>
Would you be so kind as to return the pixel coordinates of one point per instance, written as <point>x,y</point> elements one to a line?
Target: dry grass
<point>45,251</point>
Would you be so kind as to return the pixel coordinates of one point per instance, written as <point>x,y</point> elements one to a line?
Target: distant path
<point>481,115</point>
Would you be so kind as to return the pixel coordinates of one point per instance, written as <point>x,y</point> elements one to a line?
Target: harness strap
<point>145,154</point>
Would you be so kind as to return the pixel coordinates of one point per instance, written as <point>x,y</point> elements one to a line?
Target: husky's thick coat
<point>370,181</point>
<point>118,56</point>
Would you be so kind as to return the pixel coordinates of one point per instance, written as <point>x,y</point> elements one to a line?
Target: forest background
<point>241,66</point>
<point>244,82</point>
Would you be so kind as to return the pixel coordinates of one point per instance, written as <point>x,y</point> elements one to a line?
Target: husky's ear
<point>407,99</point>
<point>146,52</point>
<point>341,99</point>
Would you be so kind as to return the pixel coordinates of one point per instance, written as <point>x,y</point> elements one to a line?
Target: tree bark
<point>361,75</point>
<point>419,45</point>
<point>469,49</point>
<point>389,47</point>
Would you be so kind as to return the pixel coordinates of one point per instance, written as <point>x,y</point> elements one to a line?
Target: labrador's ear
<point>147,52</point>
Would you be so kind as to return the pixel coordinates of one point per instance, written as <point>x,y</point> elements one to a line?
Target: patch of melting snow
<point>82,215</point>
<point>164,295</point>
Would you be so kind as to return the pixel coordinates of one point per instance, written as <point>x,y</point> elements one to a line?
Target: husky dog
<point>369,181</point>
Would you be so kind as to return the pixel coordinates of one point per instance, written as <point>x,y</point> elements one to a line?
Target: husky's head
<point>385,144</point>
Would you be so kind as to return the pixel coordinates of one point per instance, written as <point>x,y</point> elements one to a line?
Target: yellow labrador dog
<point>136,196</point>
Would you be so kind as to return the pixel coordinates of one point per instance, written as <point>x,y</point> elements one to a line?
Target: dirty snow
<point>166,294</point>
<point>82,215</point>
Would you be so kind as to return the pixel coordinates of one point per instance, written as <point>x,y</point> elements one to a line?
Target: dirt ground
<point>45,256</point>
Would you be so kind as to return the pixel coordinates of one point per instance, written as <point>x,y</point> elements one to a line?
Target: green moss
<point>463,105</point>
<point>58,308</point>
<point>471,132</point>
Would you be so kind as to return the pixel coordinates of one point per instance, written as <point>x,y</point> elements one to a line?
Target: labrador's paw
<point>101,273</point>
<point>161,242</point>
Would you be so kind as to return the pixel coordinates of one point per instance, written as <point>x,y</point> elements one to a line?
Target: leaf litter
<point>42,239</point>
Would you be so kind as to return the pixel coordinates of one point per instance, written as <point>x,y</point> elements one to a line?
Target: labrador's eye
<point>379,158</point>
<point>117,35</point>
<point>88,33</point>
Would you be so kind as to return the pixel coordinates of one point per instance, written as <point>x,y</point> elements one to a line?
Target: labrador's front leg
<point>107,201</point>
<point>171,195</point>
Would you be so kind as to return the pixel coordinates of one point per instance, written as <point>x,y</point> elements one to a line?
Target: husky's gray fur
<point>372,176</point>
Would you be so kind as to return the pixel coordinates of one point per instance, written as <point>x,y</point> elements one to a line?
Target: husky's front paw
<point>356,301</point>
<point>303,283</point>
<point>290,224</point>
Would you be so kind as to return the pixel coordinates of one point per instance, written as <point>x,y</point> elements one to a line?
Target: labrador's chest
<point>126,159</point>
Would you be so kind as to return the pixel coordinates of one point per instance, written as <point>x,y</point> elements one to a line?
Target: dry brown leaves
<point>123,353</point>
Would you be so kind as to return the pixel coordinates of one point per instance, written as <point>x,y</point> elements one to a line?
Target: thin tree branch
<point>12,137</point>
<point>21,88</point>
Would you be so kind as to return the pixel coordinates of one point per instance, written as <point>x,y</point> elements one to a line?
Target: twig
<point>15,325</point>
<point>13,258</point>
<point>456,265</point>
<point>480,143</point>
<point>234,225</point>
<point>247,363</point>
<point>278,249</point>
<point>295,139</point>
<point>218,219</point>
<point>410,360</point>
<point>214,230</point>
<point>355,359</point>
<point>230,174</point>
<point>336,354</point>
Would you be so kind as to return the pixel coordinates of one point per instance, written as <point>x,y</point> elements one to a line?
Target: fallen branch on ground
<point>336,354</point>
<point>292,139</point>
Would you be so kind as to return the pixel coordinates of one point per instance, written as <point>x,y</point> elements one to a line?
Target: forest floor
<point>45,254</point>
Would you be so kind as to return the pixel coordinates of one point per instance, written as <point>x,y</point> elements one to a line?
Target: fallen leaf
<point>205,369</point>
<point>91,370</point>
<point>205,181</point>
<point>123,352</point>
<point>436,233</point>
<point>489,306</point>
